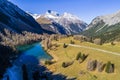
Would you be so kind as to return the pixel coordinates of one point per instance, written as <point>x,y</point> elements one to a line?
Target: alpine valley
<point>54,46</point>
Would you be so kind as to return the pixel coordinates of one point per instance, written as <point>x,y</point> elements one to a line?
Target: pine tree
<point>109,67</point>
<point>78,56</point>
<point>64,45</point>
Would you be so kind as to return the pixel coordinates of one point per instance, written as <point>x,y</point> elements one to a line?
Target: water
<point>31,55</point>
<point>37,51</point>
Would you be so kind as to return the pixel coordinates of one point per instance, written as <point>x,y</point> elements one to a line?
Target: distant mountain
<point>16,20</point>
<point>62,24</point>
<point>105,27</point>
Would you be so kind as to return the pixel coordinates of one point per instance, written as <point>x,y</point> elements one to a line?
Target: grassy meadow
<point>69,54</point>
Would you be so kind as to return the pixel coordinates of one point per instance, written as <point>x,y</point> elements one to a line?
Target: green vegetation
<point>65,45</point>
<point>49,62</point>
<point>72,42</point>
<point>109,67</point>
<point>78,56</point>
<point>66,64</point>
<point>107,34</point>
<point>81,57</point>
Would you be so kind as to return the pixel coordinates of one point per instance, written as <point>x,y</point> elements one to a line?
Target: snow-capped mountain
<point>35,16</point>
<point>106,27</point>
<point>111,19</point>
<point>70,24</point>
<point>15,19</point>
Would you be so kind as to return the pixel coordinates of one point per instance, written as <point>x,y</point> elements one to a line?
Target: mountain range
<point>16,20</point>
<point>106,27</point>
<point>61,24</point>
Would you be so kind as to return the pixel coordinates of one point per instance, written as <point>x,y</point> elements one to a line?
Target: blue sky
<point>85,9</point>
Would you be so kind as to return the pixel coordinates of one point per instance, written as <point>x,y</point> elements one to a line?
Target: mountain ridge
<point>106,27</point>
<point>15,19</point>
<point>71,24</point>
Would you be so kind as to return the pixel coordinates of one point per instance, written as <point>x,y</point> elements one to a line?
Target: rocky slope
<point>16,28</point>
<point>62,24</point>
<point>105,27</point>
<point>15,19</point>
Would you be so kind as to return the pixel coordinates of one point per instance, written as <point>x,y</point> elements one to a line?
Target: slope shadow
<point>32,70</point>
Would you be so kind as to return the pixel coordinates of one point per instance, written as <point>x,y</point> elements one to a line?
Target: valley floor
<point>104,53</point>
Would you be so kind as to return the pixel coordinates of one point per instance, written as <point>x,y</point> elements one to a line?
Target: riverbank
<point>54,57</point>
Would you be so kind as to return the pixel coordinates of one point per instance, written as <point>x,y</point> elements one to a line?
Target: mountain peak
<point>64,24</point>
<point>70,16</point>
<point>111,19</point>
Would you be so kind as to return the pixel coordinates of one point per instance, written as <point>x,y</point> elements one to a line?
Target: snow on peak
<point>70,16</point>
<point>111,19</point>
<point>56,17</point>
<point>35,16</point>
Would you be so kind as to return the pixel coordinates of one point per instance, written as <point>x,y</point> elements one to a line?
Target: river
<point>30,56</point>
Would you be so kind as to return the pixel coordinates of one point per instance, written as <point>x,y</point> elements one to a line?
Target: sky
<point>86,10</point>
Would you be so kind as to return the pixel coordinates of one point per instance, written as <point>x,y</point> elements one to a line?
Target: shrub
<point>66,64</point>
<point>48,62</point>
<point>109,67</point>
<point>72,42</point>
<point>112,43</point>
<point>64,45</point>
<point>81,57</point>
<point>78,56</point>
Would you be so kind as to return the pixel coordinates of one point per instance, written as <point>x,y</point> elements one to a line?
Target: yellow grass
<point>69,54</point>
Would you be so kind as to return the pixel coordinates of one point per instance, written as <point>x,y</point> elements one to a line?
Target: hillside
<point>16,28</point>
<point>105,27</point>
<point>16,20</point>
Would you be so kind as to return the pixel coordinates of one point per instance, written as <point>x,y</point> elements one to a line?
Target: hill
<point>105,27</point>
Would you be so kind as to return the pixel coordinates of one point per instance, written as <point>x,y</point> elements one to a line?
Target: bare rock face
<point>92,65</point>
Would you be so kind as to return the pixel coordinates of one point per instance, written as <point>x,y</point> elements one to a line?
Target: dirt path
<point>97,49</point>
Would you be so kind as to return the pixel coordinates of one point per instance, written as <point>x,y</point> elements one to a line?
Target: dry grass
<point>69,54</point>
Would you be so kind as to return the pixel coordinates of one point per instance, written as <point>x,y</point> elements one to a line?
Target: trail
<point>97,49</point>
